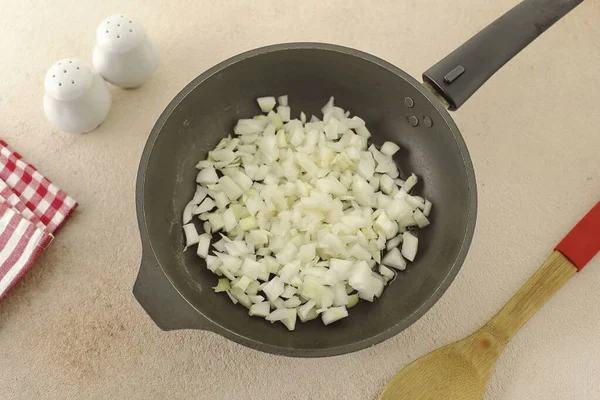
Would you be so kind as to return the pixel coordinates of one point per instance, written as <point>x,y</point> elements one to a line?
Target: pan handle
<point>456,77</point>
<point>165,306</point>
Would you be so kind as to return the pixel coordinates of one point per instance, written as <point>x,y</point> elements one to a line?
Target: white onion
<point>304,210</point>
<point>283,100</point>
<point>389,148</point>
<point>409,246</point>
<point>394,259</point>
<point>260,309</point>
<point>203,245</point>
<point>334,314</point>
<point>191,235</point>
<point>266,104</point>
<point>207,176</point>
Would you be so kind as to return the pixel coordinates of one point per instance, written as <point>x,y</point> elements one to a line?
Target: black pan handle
<point>467,68</point>
<point>165,306</point>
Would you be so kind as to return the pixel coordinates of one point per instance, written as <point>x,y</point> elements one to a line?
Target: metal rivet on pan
<point>414,121</point>
<point>427,121</point>
<point>409,102</point>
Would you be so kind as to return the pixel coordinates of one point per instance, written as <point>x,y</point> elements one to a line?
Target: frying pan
<point>175,287</point>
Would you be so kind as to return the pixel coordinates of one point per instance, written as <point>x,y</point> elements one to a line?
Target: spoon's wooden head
<point>458,371</point>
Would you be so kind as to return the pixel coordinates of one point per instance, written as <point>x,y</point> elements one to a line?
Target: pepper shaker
<point>76,99</point>
<point>124,54</point>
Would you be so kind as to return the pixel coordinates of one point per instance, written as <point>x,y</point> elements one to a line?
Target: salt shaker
<point>76,99</point>
<point>124,54</point>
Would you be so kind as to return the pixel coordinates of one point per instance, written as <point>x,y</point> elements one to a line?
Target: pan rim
<point>471,206</point>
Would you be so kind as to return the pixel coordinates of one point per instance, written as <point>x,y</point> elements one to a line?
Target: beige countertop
<point>72,330</point>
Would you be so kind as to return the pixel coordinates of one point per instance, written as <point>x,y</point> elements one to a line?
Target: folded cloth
<point>50,205</point>
<point>21,243</point>
<point>11,199</point>
<point>31,210</point>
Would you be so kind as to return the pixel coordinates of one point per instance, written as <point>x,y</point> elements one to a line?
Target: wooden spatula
<point>460,371</point>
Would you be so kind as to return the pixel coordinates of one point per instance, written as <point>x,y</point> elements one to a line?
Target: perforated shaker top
<point>119,33</point>
<point>68,79</point>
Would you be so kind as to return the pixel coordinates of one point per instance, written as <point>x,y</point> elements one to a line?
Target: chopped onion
<point>283,100</point>
<point>207,205</point>
<point>222,285</point>
<point>207,176</point>
<point>427,208</point>
<point>394,259</point>
<point>386,272</point>
<point>304,210</point>
<point>334,314</point>
<point>389,148</point>
<point>394,242</point>
<point>191,235</point>
<point>203,245</point>
<point>273,289</point>
<point>420,218</point>
<point>260,309</point>
<point>409,246</point>
<point>256,298</point>
<point>266,104</point>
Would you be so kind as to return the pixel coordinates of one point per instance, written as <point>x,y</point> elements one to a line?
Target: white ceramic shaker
<point>76,99</point>
<point>124,55</point>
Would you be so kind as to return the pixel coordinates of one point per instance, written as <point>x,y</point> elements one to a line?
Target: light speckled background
<point>72,330</point>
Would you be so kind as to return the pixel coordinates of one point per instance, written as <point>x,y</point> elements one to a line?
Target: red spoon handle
<point>583,242</point>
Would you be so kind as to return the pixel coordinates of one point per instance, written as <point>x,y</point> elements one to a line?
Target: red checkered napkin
<point>31,210</point>
<point>46,201</point>
<point>21,243</point>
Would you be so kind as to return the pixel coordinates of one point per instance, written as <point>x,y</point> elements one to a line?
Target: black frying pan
<point>175,288</point>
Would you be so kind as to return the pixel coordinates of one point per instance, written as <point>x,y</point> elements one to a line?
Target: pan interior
<point>207,110</point>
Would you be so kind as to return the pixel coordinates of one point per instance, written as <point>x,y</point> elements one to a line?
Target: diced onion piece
<point>252,289</point>
<point>254,270</point>
<point>284,113</point>
<point>394,242</point>
<point>213,263</point>
<point>410,244</point>
<point>386,226</point>
<point>386,272</point>
<point>285,315</point>
<point>420,218</point>
<point>292,302</point>
<point>221,200</point>
<point>207,205</point>
<point>248,223</point>
<point>233,299</point>
<point>207,176</point>
<point>191,235</point>
<point>334,314</point>
<point>340,296</point>
<point>288,292</point>
<point>257,299</point>
<point>231,189</point>
<point>278,303</point>
<point>394,259</point>
<point>427,208</point>
<point>203,245</point>
<point>352,300</point>
<point>222,285</point>
<point>387,184</point>
<point>273,289</point>
<point>266,104</point>
<point>216,221</point>
<point>389,148</point>
<point>410,183</point>
<point>242,283</point>
<point>260,309</point>
<point>283,100</point>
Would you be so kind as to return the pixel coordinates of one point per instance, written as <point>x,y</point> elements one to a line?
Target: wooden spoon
<point>460,371</point>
